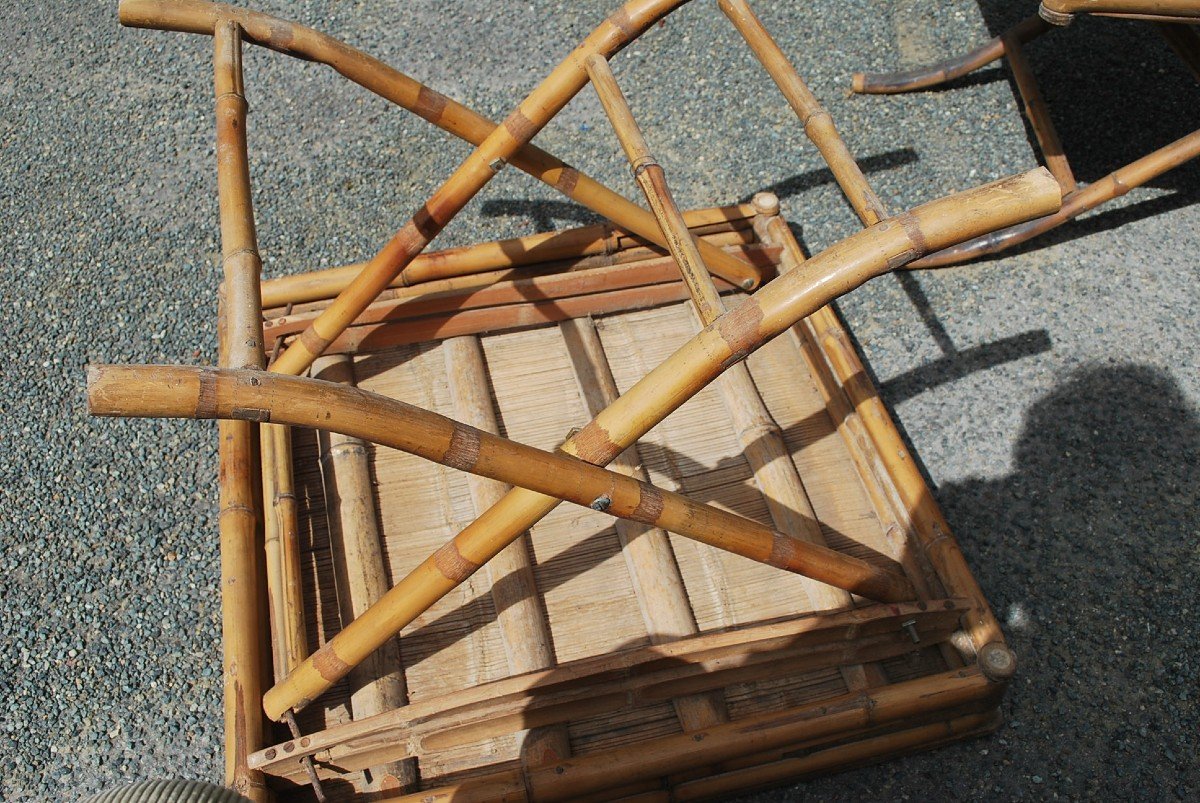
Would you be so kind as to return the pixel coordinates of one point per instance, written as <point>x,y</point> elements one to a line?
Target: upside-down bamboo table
<point>760,588</point>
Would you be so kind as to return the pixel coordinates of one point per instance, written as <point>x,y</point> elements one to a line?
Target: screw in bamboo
<point>528,643</point>
<point>882,248</point>
<point>469,178</point>
<point>787,501</point>
<point>657,582</point>
<point>200,17</point>
<point>240,346</point>
<point>360,575</point>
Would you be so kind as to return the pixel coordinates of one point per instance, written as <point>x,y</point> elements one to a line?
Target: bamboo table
<point>760,588</point>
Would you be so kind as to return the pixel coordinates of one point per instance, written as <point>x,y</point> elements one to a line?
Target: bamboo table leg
<point>240,345</point>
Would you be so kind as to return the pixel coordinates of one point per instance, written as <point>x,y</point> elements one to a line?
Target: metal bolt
<point>602,503</point>
<point>910,626</point>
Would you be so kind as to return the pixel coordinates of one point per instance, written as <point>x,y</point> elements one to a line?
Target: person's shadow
<point>1090,555</point>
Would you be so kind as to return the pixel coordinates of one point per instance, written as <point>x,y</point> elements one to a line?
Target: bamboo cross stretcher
<point>1176,20</point>
<point>402,297</point>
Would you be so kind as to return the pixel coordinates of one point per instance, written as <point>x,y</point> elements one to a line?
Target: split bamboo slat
<point>1175,19</point>
<point>788,502</point>
<point>282,550</point>
<point>239,346</point>
<point>360,575</point>
<point>528,643</point>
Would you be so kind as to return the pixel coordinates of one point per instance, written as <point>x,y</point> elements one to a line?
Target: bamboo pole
<point>657,582</point>
<point>240,346</point>
<point>1114,185</point>
<point>1061,12</point>
<point>924,77</point>
<point>790,508</point>
<point>1185,41</point>
<point>360,576</point>
<point>528,643</point>
<point>770,311</point>
<point>818,124</point>
<point>197,16</point>
<point>193,392</point>
<point>1038,114</point>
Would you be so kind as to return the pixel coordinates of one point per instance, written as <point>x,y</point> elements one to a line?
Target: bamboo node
<point>1054,17</point>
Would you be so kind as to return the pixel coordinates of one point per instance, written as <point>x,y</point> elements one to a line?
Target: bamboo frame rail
<point>281,545</point>
<point>360,575</point>
<point>201,17</point>
<point>773,309</point>
<point>239,346</point>
<point>1172,15</point>
<point>768,456</point>
<point>624,679</point>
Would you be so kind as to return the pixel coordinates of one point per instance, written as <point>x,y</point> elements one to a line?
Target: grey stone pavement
<point>1052,394</point>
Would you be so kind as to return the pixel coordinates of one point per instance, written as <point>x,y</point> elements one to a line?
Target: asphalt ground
<point>1052,394</point>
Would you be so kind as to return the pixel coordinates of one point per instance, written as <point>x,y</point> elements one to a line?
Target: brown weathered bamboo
<point>360,576</point>
<point>648,673</point>
<point>1114,185</point>
<point>414,302</point>
<point>240,346</point>
<point>566,250</point>
<point>763,446</point>
<point>281,541</point>
<point>803,726</point>
<point>772,310</point>
<point>662,598</point>
<point>200,17</point>
<point>1061,12</point>
<point>924,77</point>
<point>1038,114</point>
<point>528,644</point>
<point>818,124</point>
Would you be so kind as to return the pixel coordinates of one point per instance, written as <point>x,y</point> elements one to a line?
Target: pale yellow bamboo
<point>360,574</point>
<point>530,116</point>
<point>198,16</point>
<point>240,346</point>
<point>784,301</point>
<point>528,644</point>
<point>657,582</point>
<point>762,441</point>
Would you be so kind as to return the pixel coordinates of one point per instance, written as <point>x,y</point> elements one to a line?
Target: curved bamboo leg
<point>200,17</point>
<point>944,71</point>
